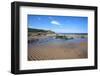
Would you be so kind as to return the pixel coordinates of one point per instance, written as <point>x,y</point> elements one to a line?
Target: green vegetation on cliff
<point>39,30</point>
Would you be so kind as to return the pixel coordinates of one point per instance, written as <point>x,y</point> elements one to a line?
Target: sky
<point>59,24</point>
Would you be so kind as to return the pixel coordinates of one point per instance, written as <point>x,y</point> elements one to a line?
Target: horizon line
<point>58,32</point>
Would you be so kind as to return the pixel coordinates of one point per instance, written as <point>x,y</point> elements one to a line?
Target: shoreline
<point>63,51</point>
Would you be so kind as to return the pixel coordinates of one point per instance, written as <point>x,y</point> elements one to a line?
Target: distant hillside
<point>39,30</point>
<point>75,33</point>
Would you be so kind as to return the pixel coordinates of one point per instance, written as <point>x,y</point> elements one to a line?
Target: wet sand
<point>58,51</point>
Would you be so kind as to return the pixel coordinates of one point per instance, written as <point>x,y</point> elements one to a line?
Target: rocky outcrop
<point>36,34</point>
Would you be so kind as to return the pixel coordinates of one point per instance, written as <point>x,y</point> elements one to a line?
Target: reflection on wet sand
<point>52,48</point>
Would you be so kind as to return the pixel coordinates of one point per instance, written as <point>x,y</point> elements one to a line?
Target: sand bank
<point>63,51</point>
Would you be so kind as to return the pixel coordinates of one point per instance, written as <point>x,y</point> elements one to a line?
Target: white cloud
<point>55,22</point>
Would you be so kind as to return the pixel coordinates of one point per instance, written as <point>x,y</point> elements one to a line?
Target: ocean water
<point>54,41</point>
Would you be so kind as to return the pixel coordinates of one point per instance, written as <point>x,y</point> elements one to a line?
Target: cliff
<point>39,32</point>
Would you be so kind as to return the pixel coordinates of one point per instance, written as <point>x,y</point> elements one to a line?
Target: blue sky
<point>59,24</point>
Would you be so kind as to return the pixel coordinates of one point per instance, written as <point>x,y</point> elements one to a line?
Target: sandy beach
<point>58,51</point>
